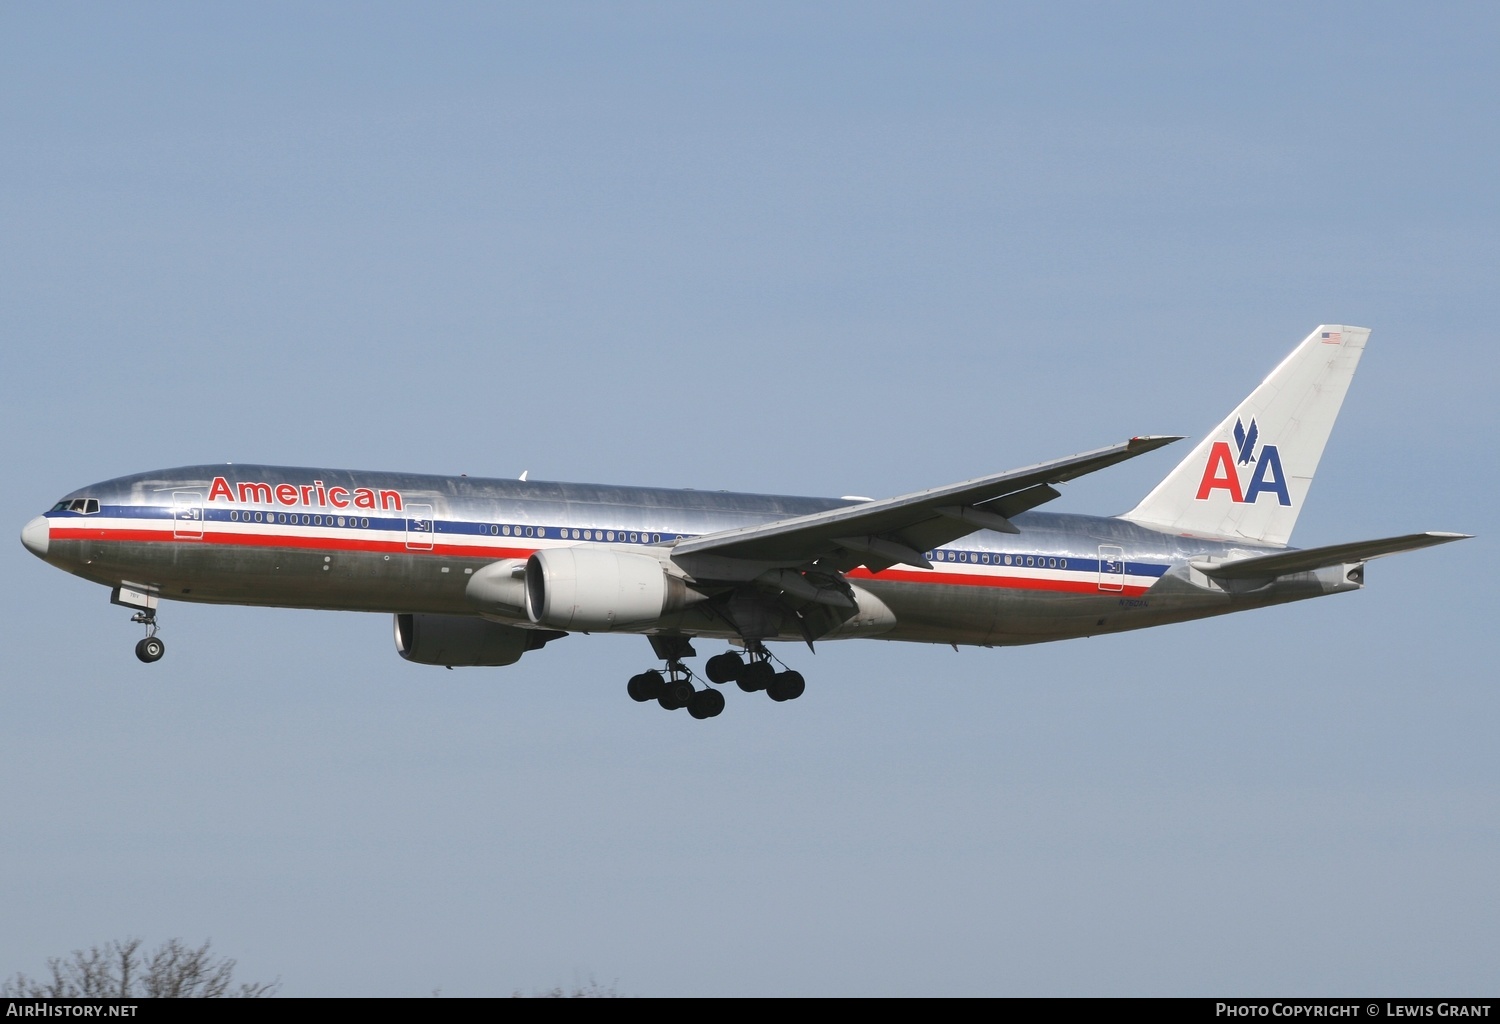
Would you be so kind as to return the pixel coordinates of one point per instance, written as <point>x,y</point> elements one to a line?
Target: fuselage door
<point>419,527</point>
<point>187,515</point>
<point>1111,567</point>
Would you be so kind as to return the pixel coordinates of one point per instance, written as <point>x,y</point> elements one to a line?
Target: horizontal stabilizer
<point>1309,559</point>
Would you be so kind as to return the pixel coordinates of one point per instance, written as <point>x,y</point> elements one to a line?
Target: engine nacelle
<point>464,640</point>
<point>499,589</point>
<point>595,590</point>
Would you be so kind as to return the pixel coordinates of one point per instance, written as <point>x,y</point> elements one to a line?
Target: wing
<point>1309,559</point>
<point>879,534</point>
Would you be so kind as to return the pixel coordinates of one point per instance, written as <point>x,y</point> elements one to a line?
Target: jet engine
<point>595,590</point>
<point>464,640</point>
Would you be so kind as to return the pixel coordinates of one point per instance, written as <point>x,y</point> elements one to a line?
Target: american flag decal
<point>1332,337</point>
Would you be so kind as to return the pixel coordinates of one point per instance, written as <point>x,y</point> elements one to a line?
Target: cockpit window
<point>88,506</point>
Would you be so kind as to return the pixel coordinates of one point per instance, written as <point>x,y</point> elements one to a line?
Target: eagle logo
<point>1246,439</point>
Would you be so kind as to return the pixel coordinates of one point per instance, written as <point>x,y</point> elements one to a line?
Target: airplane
<point>478,572</point>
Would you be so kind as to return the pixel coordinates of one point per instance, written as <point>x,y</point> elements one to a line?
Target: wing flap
<point>1309,559</point>
<point>1020,501</point>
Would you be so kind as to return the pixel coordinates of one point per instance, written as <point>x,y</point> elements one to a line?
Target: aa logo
<point>1223,472</point>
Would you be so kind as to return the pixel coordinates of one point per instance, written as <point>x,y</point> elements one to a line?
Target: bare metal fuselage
<point>405,543</point>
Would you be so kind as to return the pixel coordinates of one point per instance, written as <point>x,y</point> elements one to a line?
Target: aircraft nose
<point>35,536</point>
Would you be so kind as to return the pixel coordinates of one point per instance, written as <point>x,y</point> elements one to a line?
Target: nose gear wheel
<point>150,649</point>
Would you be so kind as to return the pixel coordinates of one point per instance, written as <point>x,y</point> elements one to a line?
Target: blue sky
<point>857,248</point>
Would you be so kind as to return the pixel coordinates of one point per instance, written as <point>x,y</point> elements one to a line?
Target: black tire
<point>150,649</point>
<point>676,693</point>
<point>706,704</point>
<point>724,668</point>
<point>756,676</point>
<point>646,686</point>
<point>787,685</point>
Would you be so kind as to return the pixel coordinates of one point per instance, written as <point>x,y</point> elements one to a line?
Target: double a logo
<point>1223,472</point>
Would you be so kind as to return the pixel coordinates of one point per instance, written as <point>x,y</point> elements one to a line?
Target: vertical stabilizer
<point>1249,477</point>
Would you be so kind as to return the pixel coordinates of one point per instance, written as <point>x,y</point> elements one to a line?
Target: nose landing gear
<point>150,649</point>
<point>142,599</point>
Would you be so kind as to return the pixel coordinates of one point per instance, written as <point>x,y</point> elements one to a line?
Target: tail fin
<point>1249,477</point>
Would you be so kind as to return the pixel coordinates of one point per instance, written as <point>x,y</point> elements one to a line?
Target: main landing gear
<point>150,649</point>
<point>756,674</point>
<point>674,689</point>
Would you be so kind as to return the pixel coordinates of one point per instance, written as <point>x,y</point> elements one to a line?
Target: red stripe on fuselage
<point>1069,586</point>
